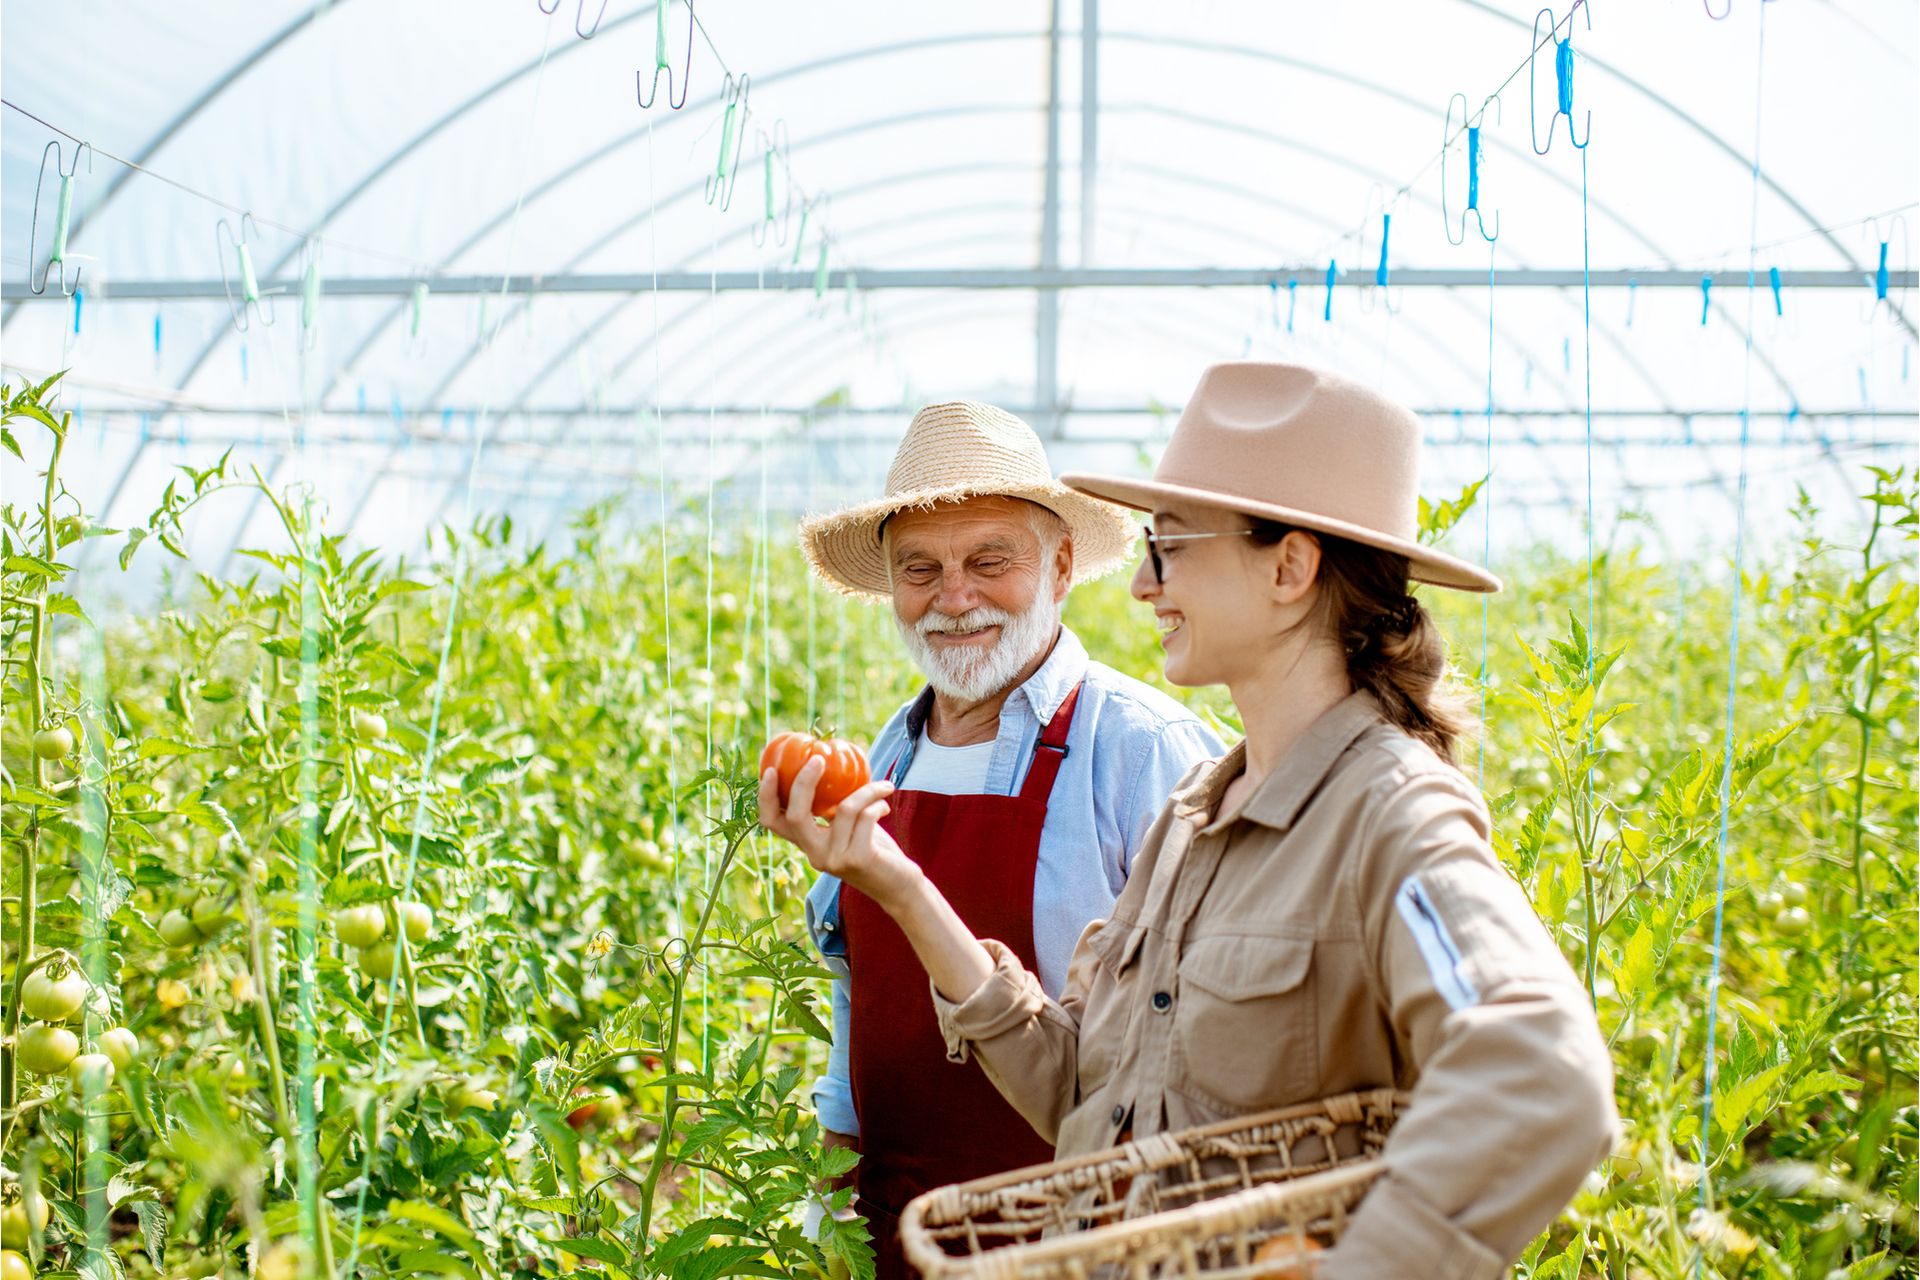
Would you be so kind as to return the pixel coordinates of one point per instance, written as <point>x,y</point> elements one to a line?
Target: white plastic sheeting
<point>425,140</point>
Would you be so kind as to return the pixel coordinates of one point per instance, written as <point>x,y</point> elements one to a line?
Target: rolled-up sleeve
<point>1026,1042</point>
<point>1513,1105</point>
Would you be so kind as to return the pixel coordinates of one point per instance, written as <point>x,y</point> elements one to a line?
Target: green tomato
<point>19,1220</point>
<point>53,744</point>
<point>52,999</point>
<point>279,1261</point>
<point>1792,922</point>
<point>210,915</point>
<point>201,1265</point>
<point>120,1045</point>
<point>369,726</point>
<point>1793,893</point>
<point>1772,904</point>
<point>176,929</point>
<point>1863,991</point>
<point>91,1072</point>
<point>465,1096</point>
<point>14,1266</point>
<point>360,926</point>
<point>45,1048</point>
<point>376,961</point>
<point>418,919</point>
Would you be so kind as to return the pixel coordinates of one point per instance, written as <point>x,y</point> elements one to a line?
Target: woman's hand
<point>852,846</point>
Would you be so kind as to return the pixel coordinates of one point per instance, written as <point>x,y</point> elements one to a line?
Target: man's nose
<point>957,593</point>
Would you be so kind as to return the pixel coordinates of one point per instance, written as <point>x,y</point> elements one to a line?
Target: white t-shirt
<point>949,771</point>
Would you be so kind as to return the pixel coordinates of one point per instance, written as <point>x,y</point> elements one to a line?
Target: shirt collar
<point>1043,691</point>
<point>1286,790</point>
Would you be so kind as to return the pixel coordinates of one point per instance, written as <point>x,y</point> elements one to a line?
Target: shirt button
<point>1119,1113</point>
<point>1162,1002</point>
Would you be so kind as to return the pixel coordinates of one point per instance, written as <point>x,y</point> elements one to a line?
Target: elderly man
<point>1027,777</point>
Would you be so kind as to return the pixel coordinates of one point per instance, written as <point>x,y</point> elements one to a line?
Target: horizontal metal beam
<point>964,278</point>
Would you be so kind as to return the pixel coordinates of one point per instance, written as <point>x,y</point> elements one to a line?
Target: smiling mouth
<point>1169,624</point>
<point>962,637</point>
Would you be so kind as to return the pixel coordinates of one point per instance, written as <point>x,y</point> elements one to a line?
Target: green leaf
<point>596,1248</point>
<point>157,747</point>
<point>1636,961</point>
<point>1819,1082</point>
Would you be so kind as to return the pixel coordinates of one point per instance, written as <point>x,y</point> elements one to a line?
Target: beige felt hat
<point>1304,447</point>
<point>961,449</point>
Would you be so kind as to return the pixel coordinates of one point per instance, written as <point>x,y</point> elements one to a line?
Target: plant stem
<point>29,871</point>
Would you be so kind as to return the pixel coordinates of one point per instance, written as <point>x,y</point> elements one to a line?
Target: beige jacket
<point>1348,928</point>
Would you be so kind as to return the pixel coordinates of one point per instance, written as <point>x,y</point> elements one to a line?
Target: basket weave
<point>1197,1203</point>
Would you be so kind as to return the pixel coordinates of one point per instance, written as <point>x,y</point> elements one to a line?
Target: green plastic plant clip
<point>853,283</point>
<point>249,283</point>
<point>767,165</point>
<point>64,219</point>
<point>419,309</point>
<point>800,239</point>
<point>310,295</point>
<point>820,273</point>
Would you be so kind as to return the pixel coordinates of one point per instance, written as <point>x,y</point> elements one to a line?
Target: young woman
<point>1319,911</point>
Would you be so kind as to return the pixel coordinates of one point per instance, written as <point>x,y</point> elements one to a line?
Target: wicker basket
<point>1201,1202</point>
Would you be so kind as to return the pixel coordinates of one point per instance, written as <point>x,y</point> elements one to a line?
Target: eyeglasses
<point>1155,539</point>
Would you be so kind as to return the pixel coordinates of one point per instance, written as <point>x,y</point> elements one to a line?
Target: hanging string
<point>1486,520</point>
<point>444,665</point>
<point>1710,1072</point>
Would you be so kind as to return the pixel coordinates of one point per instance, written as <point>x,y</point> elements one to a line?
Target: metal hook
<point>579,13</point>
<point>775,147</point>
<point>1562,78</point>
<point>224,239</point>
<point>661,62</point>
<point>62,219</point>
<point>1476,159</point>
<point>725,178</point>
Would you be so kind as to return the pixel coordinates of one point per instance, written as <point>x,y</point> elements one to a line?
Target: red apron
<point>926,1121</point>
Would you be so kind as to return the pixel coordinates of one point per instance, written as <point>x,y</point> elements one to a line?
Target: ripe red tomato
<point>846,767</point>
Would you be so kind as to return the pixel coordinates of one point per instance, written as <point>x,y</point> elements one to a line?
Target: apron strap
<point>1050,751</point>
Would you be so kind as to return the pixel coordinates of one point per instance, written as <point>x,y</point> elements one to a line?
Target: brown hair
<point>1394,650</point>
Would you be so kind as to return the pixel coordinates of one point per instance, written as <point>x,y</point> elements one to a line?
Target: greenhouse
<point>446,443</point>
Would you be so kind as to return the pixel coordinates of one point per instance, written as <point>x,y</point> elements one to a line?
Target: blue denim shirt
<point>1128,745</point>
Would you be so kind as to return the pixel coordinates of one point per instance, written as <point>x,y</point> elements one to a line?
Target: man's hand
<point>852,846</point>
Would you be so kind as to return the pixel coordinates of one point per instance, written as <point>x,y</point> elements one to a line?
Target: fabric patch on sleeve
<point>1436,944</point>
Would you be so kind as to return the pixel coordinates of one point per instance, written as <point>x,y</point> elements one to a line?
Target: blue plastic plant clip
<point>360,399</point>
<point>156,333</point>
<point>1773,280</point>
<point>79,298</point>
<point>1333,271</point>
<point>1386,230</point>
<point>1706,298</point>
<point>1880,276</point>
<point>1457,227</point>
<point>1633,287</point>
<point>244,378</point>
<point>1562,78</point>
<point>1566,354</point>
<point>1293,297</point>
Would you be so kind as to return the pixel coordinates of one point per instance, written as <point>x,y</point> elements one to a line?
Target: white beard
<point>971,675</point>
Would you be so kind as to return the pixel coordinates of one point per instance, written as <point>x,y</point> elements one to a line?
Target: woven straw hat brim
<point>1424,564</point>
<point>844,547</point>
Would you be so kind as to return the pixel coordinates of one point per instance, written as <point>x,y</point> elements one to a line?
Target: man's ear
<point>1063,568</point>
<point>1298,568</point>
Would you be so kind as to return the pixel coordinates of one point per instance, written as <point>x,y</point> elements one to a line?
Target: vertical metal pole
<point>1047,304</point>
<point>1089,121</point>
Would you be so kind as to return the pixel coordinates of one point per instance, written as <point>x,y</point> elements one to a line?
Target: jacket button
<point>1162,1002</point>
<point>1119,1113</point>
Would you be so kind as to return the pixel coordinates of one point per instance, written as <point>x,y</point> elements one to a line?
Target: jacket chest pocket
<point>1245,1027</point>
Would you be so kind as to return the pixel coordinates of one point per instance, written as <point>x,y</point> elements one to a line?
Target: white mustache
<point>932,623</point>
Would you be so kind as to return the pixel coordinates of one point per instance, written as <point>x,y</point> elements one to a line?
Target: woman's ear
<point>1299,566</point>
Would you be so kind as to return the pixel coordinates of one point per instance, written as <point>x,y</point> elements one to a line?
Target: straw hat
<point>1304,447</point>
<point>961,449</point>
